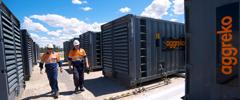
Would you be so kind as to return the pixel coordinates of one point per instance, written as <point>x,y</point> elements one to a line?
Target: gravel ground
<point>38,87</point>
<point>97,88</point>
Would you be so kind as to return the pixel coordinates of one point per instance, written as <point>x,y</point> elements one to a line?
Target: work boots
<point>56,95</point>
<point>76,90</point>
<point>82,89</point>
<point>52,93</point>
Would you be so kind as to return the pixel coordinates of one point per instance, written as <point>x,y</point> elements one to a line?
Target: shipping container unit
<point>212,28</point>
<point>36,53</point>
<point>27,54</point>
<point>66,49</point>
<point>90,42</point>
<point>32,50</point>
<point>11,75</point>
<point>138,49</point>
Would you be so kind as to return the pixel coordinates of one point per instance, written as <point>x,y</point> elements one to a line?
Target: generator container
<point>11,61</point>
<point>27,54</point>
<point>137,49</point>
<point>90,42</point>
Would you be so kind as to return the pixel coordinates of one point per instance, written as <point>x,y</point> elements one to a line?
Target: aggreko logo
<point>228,52</point>
<point>172,44</point>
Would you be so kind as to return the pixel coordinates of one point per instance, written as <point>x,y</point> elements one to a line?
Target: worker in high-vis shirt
<point>51,60</point>
<point>78,58</point>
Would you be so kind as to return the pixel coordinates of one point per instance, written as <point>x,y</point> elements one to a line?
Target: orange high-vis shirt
<point>77,54</point>
<point>50,58</point>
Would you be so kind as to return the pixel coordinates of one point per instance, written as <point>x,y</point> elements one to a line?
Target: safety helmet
<point>76,42</point>
<point>50,46</point>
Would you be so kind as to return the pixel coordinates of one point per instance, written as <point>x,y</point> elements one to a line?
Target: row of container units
<point>138,49</point>
<point>90,42</point>
<point>11,60</point>
<point>27,49</point>
<point>213,28</point>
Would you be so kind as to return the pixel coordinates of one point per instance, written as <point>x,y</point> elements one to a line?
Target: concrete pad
<point>98,88</point>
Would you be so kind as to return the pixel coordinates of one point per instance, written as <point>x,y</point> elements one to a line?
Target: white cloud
<point>55,33</point>
<point>67,27</point>
<point>79,2</point>
<point>35,37</point>
<point>76,2</point>
<point>86,8</point>
<point>157,9</point>
<point>32,26</point>
<point>41,41</point>
<point>125,10</point>
<point>174,20</point>
<point>178,7</point>
<point>95,26</point>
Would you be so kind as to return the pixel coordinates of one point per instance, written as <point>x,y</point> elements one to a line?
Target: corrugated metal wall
<point>27,54</point>
<point>36,52</point>
<point>90,42</point>
<point>129,51</point>
<point>120,49</point>
<point>98,50</point>
<point>107,52</point>
<point>11,75</point>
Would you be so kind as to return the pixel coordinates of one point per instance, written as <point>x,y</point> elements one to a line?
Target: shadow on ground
<point>38,96</point>
<point>101,86</point>
<point>66,93</point>
<point>69,71</point>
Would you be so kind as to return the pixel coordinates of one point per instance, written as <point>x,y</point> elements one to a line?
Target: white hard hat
<point>76,42</point>
<point>50,46</point>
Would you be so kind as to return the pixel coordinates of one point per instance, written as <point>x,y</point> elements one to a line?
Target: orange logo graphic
<point>173,44</point>
<point>228,52</point>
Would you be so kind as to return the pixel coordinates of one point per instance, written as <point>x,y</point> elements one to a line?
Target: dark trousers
<point>52,74</point>
<point>78,74</point>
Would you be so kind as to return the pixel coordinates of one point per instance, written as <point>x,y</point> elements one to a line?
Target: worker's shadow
<point>69,71</point>
<point>101,86</point>
<point>65,93</point>
<point>48,94</point>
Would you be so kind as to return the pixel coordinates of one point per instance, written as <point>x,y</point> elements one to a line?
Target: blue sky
<point>55,21</point>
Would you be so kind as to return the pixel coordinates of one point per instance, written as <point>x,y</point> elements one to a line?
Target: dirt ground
<point>97,88</point>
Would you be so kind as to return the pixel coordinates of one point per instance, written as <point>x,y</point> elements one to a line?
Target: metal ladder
<point>164,74</point>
